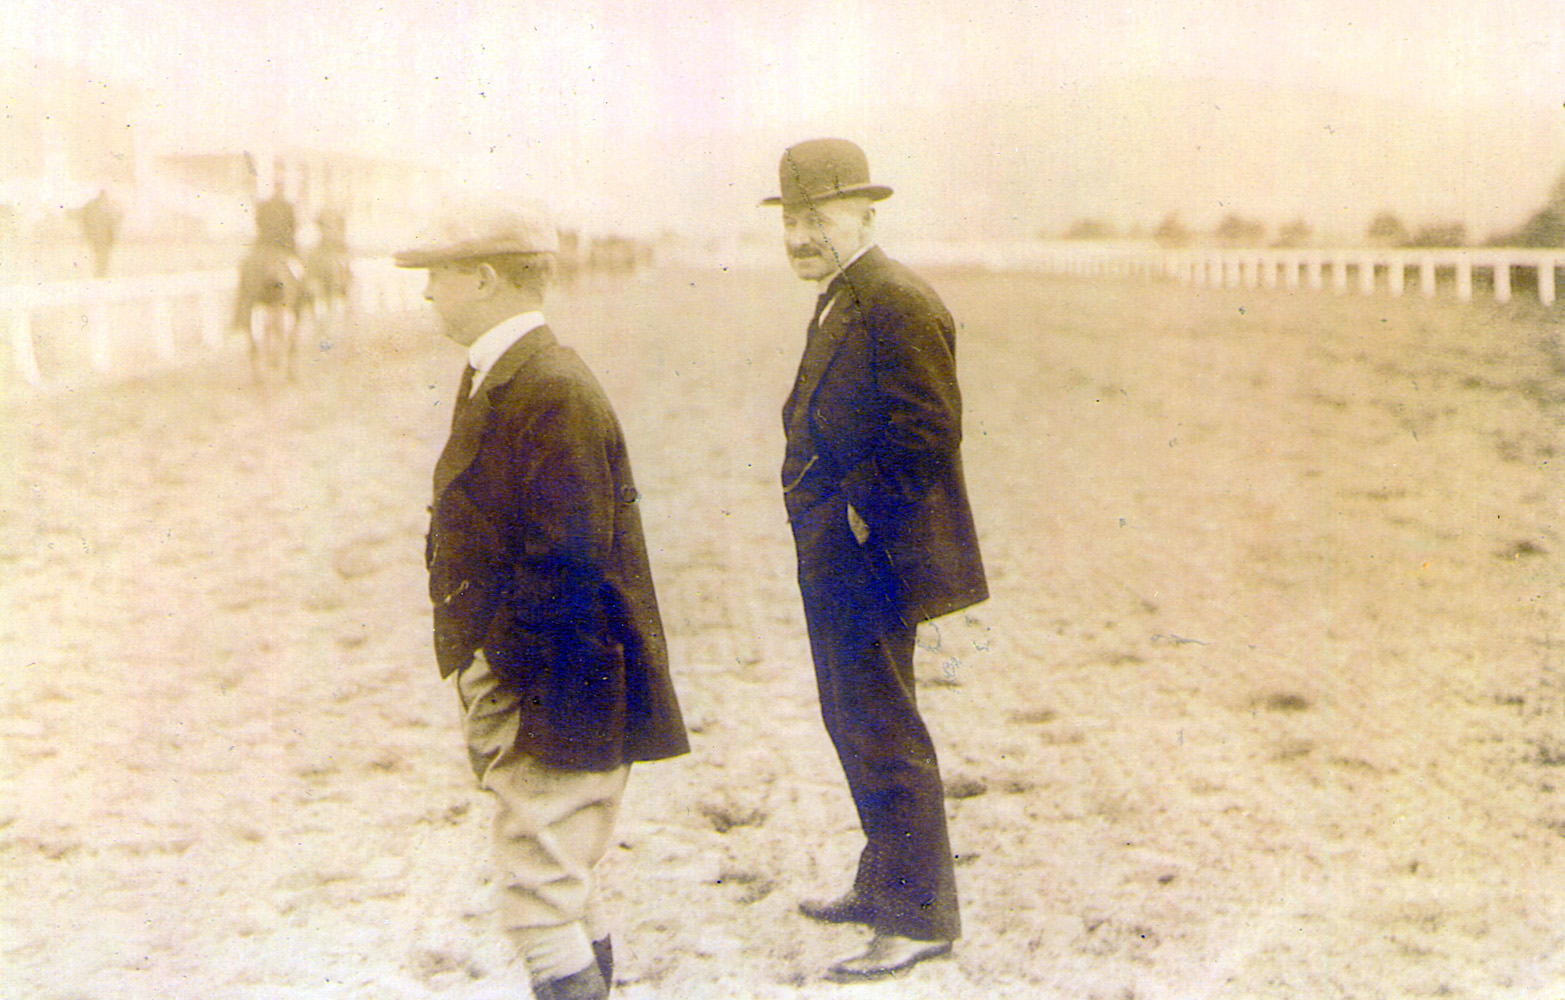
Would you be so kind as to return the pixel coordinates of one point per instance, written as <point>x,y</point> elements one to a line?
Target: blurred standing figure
<point>872,479</point>
<point>544,607</point>
<point>275,223</point>
<point>100,219</point>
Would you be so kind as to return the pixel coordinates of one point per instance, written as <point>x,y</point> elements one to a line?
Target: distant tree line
<point>1387,230</point>
<point>1235,230</point>
<point>1544,228</point>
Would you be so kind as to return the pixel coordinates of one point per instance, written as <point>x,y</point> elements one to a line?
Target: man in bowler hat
<point>544,608</point>
<point>872,481</point>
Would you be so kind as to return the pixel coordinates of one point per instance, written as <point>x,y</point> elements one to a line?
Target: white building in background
<point>380,198</point>
<point>66,134</point>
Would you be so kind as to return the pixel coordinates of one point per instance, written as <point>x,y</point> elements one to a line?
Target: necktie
<point>821,303</point>
<point>799,457</point>
<point>464,393</point>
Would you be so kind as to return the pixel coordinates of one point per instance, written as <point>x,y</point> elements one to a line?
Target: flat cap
<point>482,227</point>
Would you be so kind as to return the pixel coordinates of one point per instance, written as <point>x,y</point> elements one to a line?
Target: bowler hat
<point>482,227</point>
<point>824,168</point>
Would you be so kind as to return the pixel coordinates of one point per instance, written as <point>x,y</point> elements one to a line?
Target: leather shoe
<point>603,954</point>
<point>848,909</point>
<point>887,954</point>
<point>587,984</point>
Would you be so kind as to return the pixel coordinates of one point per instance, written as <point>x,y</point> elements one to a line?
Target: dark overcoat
<point>536,556</point>
<point>876,413</point>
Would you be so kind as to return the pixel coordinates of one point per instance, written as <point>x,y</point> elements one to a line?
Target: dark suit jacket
<point>536,556</point>
<point>877,409</point>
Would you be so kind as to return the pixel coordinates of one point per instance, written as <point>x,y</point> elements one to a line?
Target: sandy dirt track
<point>1269,700</point>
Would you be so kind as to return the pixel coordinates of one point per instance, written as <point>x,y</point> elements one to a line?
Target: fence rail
<point>1365,270</point>
<point>121,323</point>
<point>108,319</point>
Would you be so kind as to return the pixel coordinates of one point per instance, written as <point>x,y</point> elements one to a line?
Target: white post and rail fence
<point>1431,272</point>
<point>126,324</point>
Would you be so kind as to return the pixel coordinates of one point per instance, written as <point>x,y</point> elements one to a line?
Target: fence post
<point>213,319</point>
<point>1395,273</point>
<point>1502,279</point>
<point>1426,276</point>
<point>1464,278</point>
<point>21,324</point>
<point>99,348</point>
<point>1314,269</point>
<point>163,327</point>
<point>1366,275</point>
<point>1546,280</point>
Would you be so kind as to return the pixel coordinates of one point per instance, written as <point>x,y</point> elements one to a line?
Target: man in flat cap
<point>872,480</point>
<point>544,608</point>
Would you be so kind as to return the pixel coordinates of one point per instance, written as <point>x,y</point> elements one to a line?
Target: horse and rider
<point>272,295</point>
<point>279,290</point>
<point>328,276</point>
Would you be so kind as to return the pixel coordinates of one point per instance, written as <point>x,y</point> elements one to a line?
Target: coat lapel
<point>468,431</point>
<point>833,331</point>
<point>807,377</point>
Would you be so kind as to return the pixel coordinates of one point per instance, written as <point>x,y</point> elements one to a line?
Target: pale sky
<point>636,108</point>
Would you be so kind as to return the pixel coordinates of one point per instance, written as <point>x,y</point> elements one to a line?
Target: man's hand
<point>857,526</point>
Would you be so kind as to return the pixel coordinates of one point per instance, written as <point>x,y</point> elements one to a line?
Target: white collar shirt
<point>825,282</point>
<point>487,349</point>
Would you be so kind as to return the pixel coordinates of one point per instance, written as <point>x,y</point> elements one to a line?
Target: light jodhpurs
<point>551,828</point>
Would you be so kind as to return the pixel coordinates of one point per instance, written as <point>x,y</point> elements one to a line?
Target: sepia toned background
<point>1268,701</point>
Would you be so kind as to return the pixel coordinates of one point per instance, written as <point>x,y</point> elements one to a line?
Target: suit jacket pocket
<point>520,657</point>
<point>584,727</point>
<point>588,682</point>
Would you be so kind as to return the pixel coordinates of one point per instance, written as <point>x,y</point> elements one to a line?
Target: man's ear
<point>488,279</point>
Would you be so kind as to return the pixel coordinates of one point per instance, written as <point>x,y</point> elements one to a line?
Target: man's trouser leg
<point>863,654</point>
<point>551,828</point>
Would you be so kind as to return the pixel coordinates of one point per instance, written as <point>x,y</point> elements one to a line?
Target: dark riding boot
<point>587,984</point>
<point>603,951</point>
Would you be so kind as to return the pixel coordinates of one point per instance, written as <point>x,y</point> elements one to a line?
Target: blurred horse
<point>269,306</point>
<point>328,276</point>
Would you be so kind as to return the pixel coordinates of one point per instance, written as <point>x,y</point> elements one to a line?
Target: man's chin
<point>458,334</point>
<point>810,268</point>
